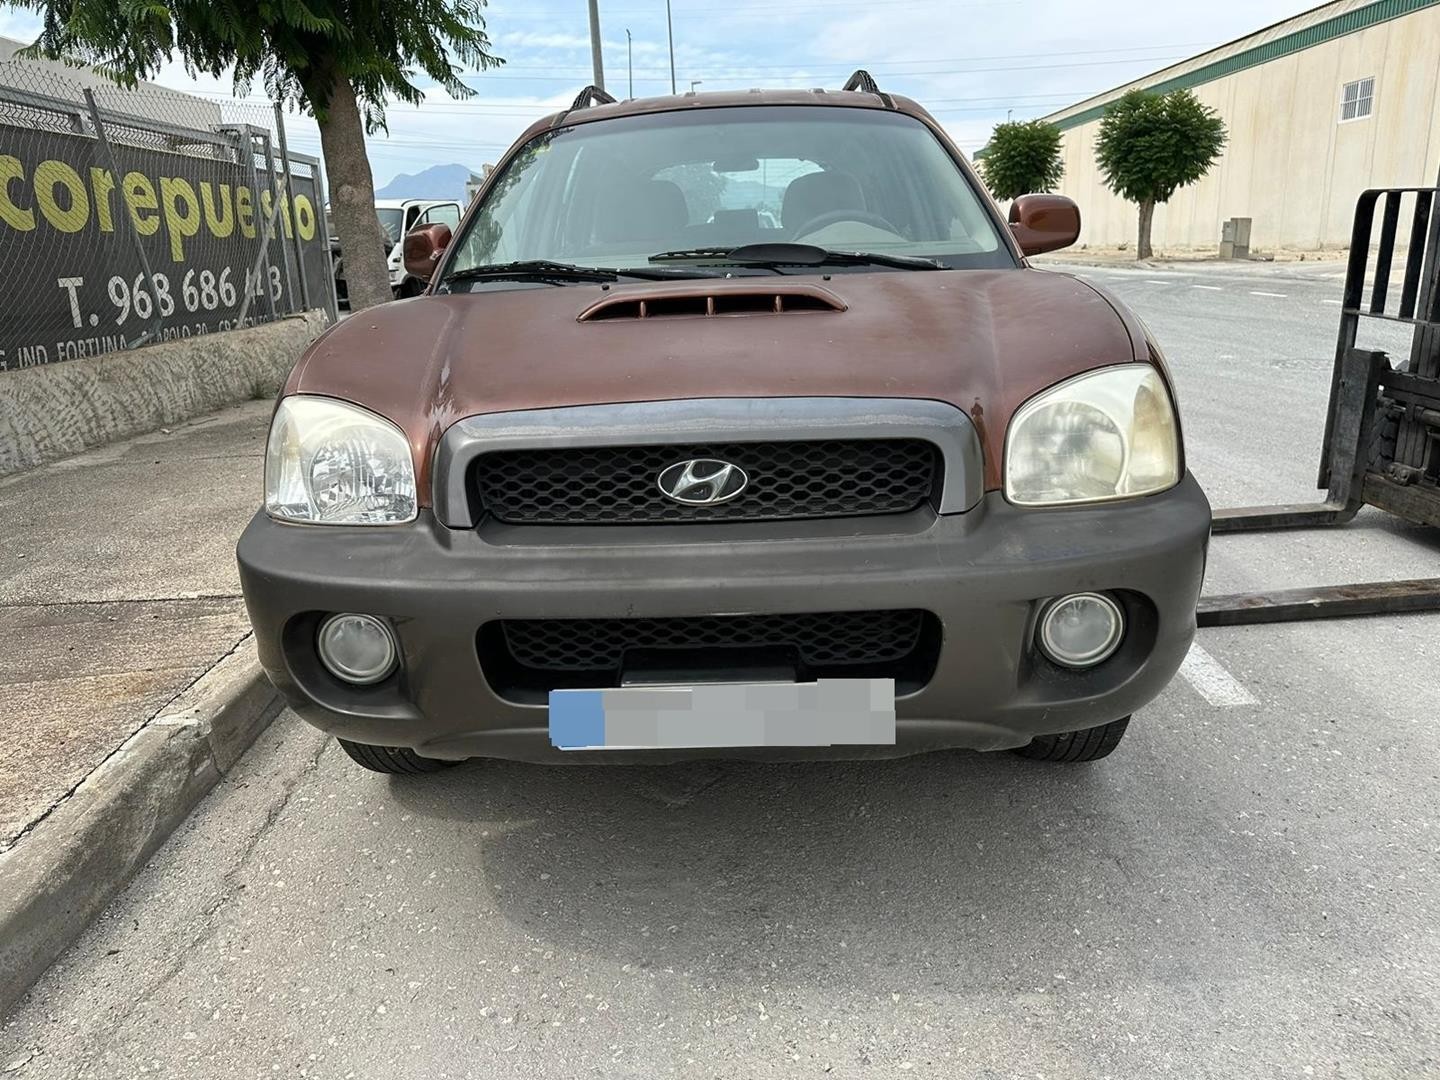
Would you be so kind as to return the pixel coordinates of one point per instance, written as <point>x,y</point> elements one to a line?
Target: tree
<point>704,188</point>
<point>1022,156</point>
<point>1150,145</point>
<point>342,60</point>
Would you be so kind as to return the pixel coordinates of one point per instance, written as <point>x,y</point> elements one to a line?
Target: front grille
<point>821,640</point>
<point>523,659</point>
<point>787,481</point>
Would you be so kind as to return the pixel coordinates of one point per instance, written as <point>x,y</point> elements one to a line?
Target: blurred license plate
<point>830,712</point>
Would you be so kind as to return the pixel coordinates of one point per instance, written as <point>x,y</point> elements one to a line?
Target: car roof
<point>726,99</point>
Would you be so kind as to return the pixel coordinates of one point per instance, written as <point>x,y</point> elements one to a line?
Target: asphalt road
<point>1247,889</point>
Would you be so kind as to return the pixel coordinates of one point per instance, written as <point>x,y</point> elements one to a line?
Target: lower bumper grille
<point>526,657</point>
<point>787,481</point>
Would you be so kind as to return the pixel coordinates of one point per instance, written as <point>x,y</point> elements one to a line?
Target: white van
<point>397,217</point>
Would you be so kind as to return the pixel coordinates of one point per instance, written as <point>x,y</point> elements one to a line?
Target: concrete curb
<point>59,877</point>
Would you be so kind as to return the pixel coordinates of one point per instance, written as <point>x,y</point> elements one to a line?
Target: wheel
<point>1091,744</point>
<point>396,760</point>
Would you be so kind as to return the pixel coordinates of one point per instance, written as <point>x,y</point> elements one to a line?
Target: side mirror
<point>423,248</point>
<point>1044,222</point>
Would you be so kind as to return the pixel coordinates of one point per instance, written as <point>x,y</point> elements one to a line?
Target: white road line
<point>1152,281</point>
<point>1277,295</point>
<point>1209,288</point>
<point>1336,302</point>
<point>1212,682</point>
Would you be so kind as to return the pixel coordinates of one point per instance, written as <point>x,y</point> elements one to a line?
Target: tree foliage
<point>704,188</point>
<point>296,48</point>
<point>1022,157</point>
<point>1151,145</point>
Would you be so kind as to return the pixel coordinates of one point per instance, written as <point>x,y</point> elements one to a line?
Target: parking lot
<point>1247,888</point>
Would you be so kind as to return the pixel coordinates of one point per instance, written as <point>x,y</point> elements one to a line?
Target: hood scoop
<point>704,300</point>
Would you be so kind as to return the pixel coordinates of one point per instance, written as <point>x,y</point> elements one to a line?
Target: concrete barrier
<point>60,875</point>
<point>60,409</point>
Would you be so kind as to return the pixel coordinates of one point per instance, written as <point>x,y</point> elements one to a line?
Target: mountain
<point>436,182</point>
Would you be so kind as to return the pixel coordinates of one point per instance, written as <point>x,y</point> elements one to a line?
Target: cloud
<point>528,40</point>
<point>968,61</point>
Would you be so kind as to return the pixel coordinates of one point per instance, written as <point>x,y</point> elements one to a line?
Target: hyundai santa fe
<point>734,425</point>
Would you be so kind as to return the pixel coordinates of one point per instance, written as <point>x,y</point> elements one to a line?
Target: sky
<point>972,63</point>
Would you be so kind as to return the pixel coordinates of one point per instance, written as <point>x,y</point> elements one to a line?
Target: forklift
<point>1382,429</point>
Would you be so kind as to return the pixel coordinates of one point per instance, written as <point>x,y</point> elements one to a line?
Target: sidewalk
<point>119,611</point>
<point>1110,256</point>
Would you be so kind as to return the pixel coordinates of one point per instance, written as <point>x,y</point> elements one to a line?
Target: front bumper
<point>984,574</point>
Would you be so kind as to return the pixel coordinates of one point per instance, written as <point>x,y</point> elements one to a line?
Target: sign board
<point>69,265</point>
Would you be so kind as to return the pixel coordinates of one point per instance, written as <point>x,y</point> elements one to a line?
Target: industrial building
<point>49,77</point>
<point>1318,108</point>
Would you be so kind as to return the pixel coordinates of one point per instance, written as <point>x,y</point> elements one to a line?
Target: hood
<point>982,340</point>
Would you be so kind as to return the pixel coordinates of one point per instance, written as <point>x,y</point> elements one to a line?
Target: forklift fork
<point>1357,465</point>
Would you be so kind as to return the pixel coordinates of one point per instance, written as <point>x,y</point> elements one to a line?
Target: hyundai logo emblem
<point>702,481</point>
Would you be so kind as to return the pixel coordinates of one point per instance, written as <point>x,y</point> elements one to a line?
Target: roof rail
<point>865,83</point>
<point>591,95</point>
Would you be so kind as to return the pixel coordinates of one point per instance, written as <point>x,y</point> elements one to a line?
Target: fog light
<point>358,649</point>
<point>1081,630</point>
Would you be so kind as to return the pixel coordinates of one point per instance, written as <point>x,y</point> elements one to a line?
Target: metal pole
<point>670,33</point>
<point>261,269</point>
<point>630,61</point>
<point>595,60</point>
<point>1425,346</point>
<point>104,141</point>
<point>290,207</point>
<point>279,202</point>
<point>262,261</point>
<point>322,189</point>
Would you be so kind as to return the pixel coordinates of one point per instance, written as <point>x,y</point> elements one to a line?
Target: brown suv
<point>729,424</point>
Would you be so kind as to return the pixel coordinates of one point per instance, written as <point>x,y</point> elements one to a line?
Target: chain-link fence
<point>134,216</point>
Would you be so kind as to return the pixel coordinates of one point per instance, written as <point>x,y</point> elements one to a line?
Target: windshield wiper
<point>681,254</point>
<point>560,272</point>
<point>781,254</point>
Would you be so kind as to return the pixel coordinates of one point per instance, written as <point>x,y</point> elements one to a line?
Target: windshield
<point>615,192</point>
<point>391,221</point>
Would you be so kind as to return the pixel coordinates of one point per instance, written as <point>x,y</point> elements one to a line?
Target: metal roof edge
<point>1306,37</point>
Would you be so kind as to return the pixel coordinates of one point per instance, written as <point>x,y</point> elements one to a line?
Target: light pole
<point>630,61</point>
<point>694,83</point>
<point>670,33</point>
<point>596,63</point>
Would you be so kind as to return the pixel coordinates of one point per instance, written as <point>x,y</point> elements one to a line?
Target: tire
<point>1384,437</point>
<point>394,760</point>
<point>1091,744</point>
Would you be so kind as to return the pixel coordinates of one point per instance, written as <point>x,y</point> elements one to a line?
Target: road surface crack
<point>40,604</point>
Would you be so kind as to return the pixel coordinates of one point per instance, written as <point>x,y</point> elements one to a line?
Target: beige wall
<point>1289,164</point>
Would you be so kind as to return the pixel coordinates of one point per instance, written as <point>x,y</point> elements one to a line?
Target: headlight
<point>1107,434</point>
<point>331,463</point>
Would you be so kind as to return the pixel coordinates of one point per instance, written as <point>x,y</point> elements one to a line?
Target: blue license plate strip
<point>830,712</point>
